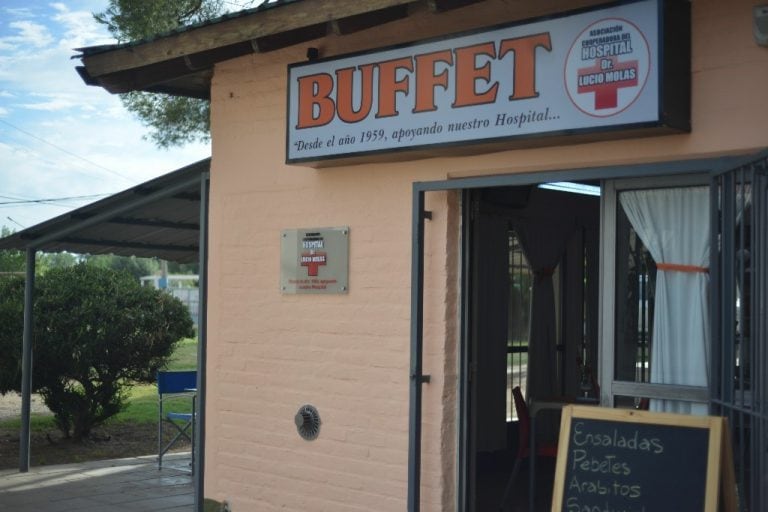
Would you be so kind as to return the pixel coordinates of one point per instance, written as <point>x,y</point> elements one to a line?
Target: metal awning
<point>165,218</point>
<point>158,218</point>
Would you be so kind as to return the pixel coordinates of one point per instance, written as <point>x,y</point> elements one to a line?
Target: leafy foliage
<point>173,121</point>
<point>11,328</point>
<point>131,20</point>
<point>14,262</point>
<point>137,267</point>
<point>46,261</point>
<point>11,261</point>
<point>97,331</point>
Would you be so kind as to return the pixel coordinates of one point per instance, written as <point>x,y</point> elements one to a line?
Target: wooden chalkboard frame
<point>719,455</point>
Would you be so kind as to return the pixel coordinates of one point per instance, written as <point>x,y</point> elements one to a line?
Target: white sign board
<point>582,72</point>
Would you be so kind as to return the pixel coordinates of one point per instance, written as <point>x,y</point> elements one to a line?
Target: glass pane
<point>635,287</point>
<point>520,282</point>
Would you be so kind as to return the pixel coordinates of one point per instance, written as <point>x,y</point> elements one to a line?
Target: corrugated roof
<point>159,218</point>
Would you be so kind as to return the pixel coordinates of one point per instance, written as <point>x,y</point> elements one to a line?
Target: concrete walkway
<point>121,485</point>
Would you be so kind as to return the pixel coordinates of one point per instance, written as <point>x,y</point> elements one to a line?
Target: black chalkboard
<point>614,460</point>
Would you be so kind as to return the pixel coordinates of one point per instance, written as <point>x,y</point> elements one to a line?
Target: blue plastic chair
<point>173,385</point>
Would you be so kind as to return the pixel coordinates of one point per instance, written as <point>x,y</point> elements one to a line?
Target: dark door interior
<point>532,304</point>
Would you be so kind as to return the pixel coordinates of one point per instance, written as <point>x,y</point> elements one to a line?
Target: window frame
<point>609,386</point>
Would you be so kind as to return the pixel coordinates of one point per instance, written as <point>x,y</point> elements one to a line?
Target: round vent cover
<point>308,422</point>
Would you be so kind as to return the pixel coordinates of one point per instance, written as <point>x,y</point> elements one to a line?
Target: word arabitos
<point>324,96</point>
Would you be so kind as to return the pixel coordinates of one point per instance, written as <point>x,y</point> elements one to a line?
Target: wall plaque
<point>314,260</point>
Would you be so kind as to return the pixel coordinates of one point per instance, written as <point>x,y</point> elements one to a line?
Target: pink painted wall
<point>348,355</point>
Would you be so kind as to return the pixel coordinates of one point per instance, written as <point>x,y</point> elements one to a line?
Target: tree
<point>137,267</point>
<point>15,262</point>
<point>48,260</point>
<point>11,327</point>
<point>10,261</point>
<point>173,121</point>
<point>97,331</point>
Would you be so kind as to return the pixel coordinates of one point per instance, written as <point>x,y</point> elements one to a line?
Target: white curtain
<point>673,224</point>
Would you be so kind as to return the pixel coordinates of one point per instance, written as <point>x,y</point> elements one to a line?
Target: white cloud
<point>48,106</point>
<point>80,29</point>
<point>44,98</point>
<point>29,33</point>
<point>18,12</point>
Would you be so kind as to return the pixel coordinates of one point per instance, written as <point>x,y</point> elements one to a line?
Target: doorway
<point>532,291</point>
<point>619,349</point>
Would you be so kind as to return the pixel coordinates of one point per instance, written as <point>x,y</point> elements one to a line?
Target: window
<point>656,321</point>
<point>520,282</point>
<point>635,300</point>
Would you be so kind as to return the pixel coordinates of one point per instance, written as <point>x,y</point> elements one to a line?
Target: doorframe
<point>418,216</point>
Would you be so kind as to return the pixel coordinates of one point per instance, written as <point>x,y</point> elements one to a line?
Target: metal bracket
<point>427,214</point>
<point>424,379</point>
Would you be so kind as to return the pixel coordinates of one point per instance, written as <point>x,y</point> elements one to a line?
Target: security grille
<point>739,274</point>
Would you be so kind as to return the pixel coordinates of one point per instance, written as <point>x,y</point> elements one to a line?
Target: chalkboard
<point>616,460</point>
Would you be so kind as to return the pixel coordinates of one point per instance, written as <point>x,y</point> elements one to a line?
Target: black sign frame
<point>674,102</point>
<point>634,436</point>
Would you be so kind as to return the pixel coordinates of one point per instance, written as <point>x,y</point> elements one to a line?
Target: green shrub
<point>96,332</point>
<point>11,328</point>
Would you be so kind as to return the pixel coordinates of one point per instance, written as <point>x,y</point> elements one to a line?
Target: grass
<point>185,356</point>
<point>132,432</point>
<point>37,422</point>
<point>142,398</point>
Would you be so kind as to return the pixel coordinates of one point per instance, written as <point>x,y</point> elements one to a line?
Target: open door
<point>487,345</point>
<point>531,296</point>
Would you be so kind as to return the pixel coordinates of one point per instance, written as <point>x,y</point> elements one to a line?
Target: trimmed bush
<point>96,332</point>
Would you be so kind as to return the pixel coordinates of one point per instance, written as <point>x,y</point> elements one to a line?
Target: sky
<point>60,138</point>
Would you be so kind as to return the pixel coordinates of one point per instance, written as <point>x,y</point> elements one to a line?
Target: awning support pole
<point>26,364</point>
<point>417,325</point>
<point>202,340</point>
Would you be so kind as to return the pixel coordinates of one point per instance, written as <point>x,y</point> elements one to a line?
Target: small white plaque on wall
<point>314,260</point>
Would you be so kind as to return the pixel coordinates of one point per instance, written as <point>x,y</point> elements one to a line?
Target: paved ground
<point>124,485</point>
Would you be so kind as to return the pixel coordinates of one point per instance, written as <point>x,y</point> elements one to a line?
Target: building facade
<point>645,294</point>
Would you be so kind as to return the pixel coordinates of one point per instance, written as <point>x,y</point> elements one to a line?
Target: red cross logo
<point>605,79</point>
<point>313,261</point>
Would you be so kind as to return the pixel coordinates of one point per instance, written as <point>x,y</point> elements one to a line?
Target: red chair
<point>523,444</point>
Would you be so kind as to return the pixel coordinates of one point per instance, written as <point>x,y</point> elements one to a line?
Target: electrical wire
<point>63,150</point>
<point>15,200</point>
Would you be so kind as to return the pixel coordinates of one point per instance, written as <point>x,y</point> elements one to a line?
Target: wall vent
<point>308,422</point>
